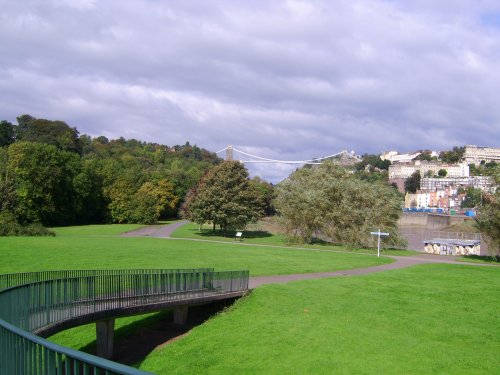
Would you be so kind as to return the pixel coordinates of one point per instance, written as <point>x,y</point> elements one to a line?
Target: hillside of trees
<point>52,175</point>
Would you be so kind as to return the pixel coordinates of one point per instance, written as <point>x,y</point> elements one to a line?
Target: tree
<point>153,200</point>
<point>6,133</point>
<point>488,222</point>
<point>324,201</point>
<point>56,133</point>
<point>442,173</point>
<point>412,183</point>
<point>225,198</point>
<point>374,161</point>
<point>266,191</point>
<point>453,156</point>
<point>488,169</point>
<point>424,156</point>
<point>43,180</point>
<point>473,198</point>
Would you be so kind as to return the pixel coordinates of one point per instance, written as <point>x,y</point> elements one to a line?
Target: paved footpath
<point>164,231</point>
<point>160,231</point>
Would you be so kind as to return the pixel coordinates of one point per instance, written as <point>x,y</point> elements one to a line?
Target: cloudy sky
<point>288,80</point>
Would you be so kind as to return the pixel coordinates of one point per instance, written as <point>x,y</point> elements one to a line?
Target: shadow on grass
<point>231,234</point>
<point>134,342</point>
<point>487,259</point>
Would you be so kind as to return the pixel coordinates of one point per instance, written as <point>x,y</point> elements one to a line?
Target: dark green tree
<point>7,135</point>
<point>453,156</point>
<point>43,180</point>
<point>442,173</point>
<point>473,198</point>
<point>226,198</point>
<point>425,156</point>
<point>412,183</point>
<point>374,161</point>
<point>266,191</point>
<point>56,133</point>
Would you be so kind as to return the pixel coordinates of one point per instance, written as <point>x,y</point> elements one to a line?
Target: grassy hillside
<point>432,319</point>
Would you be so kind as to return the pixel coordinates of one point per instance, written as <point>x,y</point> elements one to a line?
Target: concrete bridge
<point>39,304</point>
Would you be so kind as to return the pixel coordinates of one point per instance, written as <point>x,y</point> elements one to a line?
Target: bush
<point>10,227</point>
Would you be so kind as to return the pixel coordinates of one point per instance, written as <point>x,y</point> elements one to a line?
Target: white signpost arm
<point>379,234</point>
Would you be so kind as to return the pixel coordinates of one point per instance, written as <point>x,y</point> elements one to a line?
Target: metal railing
<point>429,235</point>
<point>31,302</point>
<point>14,279</point>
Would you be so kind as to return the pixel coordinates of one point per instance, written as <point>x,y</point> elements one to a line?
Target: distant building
<point>446,199</point>
<point>446,246</point>
<point>484,183</point>
<point>405,170</point>
<point>477,154</point>
<point>395,157</point>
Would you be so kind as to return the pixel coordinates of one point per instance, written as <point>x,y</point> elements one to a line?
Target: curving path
<point>164,231</point>
<point>159,231</point>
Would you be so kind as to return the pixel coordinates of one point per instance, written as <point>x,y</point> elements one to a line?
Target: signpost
<point>379,234</point>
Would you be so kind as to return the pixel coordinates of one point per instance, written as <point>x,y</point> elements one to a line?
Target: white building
<point>423,200</point>
<point>405,170</point>
<point>484,183</point>
<point>395,157</point>
<point>476,154</point>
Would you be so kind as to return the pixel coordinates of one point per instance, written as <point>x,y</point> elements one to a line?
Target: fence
<point>14,279</point>
<point>31,302</point>
<point>429,235</point>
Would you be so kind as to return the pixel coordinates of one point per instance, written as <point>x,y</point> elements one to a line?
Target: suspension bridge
<point>343,157</point>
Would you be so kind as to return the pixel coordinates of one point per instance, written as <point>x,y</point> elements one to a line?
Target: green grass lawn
<point>439,319</point>
<point>478,259</point>
<point>101,247</point>
<point>429,319</point>
<point>263,237</point>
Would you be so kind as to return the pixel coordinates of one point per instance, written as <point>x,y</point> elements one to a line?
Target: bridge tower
<point>229,153</point>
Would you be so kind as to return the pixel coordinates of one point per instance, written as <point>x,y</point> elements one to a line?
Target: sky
<point>287,80</point>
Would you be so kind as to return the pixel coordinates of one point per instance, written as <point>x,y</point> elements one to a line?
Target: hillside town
<point>439,186</point>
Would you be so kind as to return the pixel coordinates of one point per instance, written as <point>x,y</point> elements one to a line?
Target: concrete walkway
<point>164,231</point>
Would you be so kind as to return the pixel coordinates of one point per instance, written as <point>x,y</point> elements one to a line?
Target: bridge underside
<point>105,318</point>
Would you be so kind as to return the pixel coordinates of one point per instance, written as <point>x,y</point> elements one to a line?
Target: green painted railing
<point>32,302</point>
<point>15,279</point>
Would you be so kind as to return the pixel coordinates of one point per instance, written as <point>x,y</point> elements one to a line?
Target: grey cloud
<point>287,79</point>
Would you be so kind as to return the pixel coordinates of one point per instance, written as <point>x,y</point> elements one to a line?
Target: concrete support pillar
<point>105,330</point>
<point>180,315</point>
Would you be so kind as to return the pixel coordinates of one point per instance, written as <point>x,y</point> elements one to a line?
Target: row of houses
<point>473,155</point>
<point>477,154</point>
<point>446,199</point>
<point>484,183</point>
<point>404,165</point>
<point>405,170</point>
